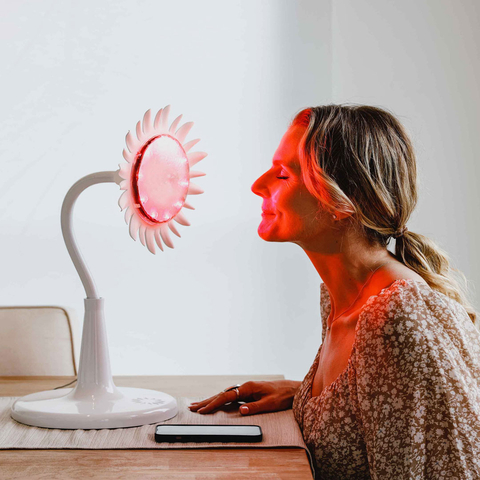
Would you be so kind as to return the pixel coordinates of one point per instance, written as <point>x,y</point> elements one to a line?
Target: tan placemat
<point>280,429</point>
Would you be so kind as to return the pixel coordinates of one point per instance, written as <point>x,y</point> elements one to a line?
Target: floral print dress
<point>407,406</point>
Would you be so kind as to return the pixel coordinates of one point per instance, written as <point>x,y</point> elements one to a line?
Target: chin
<point>269,235</point>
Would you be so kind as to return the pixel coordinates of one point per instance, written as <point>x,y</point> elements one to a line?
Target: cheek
<point>295,206</point>
<point>305,215</point>
<point>300,205</point>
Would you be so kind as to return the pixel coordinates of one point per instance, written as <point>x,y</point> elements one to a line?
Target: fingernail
<point>244,409</point>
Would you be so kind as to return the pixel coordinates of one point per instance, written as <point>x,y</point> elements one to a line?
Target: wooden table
<point>188,464</point>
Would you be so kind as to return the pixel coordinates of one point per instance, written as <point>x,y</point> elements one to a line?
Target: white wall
<point>75,77</point>
<point>420,60</point>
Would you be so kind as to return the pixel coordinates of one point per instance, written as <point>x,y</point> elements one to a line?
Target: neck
<point>346,272</point>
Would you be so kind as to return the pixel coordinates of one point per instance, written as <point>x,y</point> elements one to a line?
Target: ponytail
<point>423,256</point>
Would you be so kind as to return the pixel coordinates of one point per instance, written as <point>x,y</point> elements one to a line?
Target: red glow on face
<point>160,179</point>
<point>288,208</point>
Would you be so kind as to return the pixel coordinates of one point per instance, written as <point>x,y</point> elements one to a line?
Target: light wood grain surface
<point>188,464</point>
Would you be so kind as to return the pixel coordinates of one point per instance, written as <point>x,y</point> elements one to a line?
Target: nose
<point>259,186</point>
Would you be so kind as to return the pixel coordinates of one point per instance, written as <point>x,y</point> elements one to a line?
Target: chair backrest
<point>38,340</point>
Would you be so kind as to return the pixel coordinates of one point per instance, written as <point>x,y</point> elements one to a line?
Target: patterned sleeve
<point>417,374</point>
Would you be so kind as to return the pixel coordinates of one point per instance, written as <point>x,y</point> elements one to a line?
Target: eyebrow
<point>286,165</point>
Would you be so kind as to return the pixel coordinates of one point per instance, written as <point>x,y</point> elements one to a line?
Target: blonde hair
<point>358,159</point>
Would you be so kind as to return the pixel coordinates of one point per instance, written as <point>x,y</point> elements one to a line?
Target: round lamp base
<point>125,407</point>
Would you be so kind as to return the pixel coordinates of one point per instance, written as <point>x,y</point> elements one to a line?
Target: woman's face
<point>290,213</point>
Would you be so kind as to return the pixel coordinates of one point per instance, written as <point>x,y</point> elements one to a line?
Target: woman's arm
<point>418,395</point>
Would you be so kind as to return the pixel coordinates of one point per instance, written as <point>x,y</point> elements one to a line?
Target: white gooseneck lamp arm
<point>67,230</point>
<point>156,181</point>
<point>94,369</point>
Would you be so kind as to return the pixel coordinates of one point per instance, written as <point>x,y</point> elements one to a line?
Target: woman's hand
<point>260,397</point>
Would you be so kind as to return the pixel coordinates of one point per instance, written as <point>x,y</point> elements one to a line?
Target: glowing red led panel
<point>160,179</point>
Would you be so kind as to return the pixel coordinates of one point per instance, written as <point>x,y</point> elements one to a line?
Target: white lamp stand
<point>95,402</point>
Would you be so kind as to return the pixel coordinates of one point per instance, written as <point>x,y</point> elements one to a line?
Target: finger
<point>202,403</point>
<point>262,406</point>
<point>199,405</point>
<point>222,399</point>
<point>229,407</point>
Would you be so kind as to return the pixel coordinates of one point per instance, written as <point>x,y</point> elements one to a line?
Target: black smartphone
<point>208,433</point>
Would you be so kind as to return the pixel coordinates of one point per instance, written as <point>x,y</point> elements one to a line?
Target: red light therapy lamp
<point>156,182</point>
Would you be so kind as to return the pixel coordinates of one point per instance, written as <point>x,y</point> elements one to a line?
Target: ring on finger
<point>235,389</point>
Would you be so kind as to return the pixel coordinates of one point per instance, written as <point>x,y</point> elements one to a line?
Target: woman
<point>394,390</point>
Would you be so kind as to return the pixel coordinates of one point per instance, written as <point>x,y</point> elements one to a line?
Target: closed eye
<point>283,178</point>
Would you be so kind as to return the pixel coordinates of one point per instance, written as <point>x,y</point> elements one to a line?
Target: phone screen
<point>210,429</point>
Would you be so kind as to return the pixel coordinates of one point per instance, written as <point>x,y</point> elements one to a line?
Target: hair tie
<point>400,233</point>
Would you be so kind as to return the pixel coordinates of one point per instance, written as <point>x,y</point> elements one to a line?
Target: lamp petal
<point>166,236</point>
<point>141,234</point>
<point>156,122</point>
<point>195,157</point>
<point>158,239</point>
<point>127,156</point>
<point>190,144</point>
<point>131,144</point>
<point>125,169</point>
<point>139,131</point>
<point>187,205</point>
<point>194,189</point>
<point>150,240</point>
<point>182,132</point>
<point>147,123</point>
<point>123,201</point>
<point>164,118</point>
<point>174,124</point>
<point>128,215</point>
<point>196,173</point>
<point>173,228</point>
<point>133,227</point>
<point>181,219</point>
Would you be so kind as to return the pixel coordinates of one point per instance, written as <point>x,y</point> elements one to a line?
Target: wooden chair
<point>38,340</point>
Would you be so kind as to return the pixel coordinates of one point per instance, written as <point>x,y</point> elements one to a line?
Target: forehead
<point>287,151</point>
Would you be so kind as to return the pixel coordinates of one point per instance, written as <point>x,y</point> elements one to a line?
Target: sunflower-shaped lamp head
<point>155,178</point>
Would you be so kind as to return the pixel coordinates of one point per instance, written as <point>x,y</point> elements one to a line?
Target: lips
<point>267,211</point>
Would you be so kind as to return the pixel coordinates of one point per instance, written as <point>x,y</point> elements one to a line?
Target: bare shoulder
<point>398,271</point>
<point>391,273</point>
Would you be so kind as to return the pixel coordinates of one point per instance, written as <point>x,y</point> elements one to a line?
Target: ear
<point>338,215</point>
